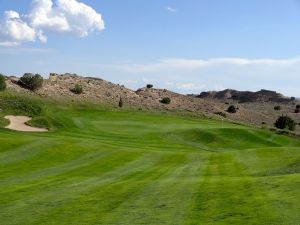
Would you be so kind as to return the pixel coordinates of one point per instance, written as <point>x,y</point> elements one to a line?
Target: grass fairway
<point>110,167</point>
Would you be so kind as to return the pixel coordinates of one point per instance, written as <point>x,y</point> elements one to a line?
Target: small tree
<point>232,109</point>
<point>31,82</point>
<point>285,122</point>
<point>149,86</point>
<point>298,106</point>
<point>77,89</point>
<point>277,107</point>
<point>2,83</point>
<point>166,100</point>
<point>121,103</point>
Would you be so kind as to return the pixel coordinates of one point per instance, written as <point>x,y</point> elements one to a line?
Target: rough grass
<point>15,104</point>
<point>3,122</point>
<point>105,166</point>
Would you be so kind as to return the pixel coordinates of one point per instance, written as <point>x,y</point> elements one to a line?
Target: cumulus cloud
<point>14,30</point>
<point>62,17</point>
<point>66,16</point>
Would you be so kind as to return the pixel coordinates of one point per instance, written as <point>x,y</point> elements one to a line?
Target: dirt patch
<point>18,123</point>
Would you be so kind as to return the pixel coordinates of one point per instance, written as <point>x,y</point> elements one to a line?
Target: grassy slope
<point>111,167</point>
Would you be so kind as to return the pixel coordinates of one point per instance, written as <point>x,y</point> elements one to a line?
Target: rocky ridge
<point>246,96</point>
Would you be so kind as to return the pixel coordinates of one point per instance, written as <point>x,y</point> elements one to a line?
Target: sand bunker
<point>18,123</point>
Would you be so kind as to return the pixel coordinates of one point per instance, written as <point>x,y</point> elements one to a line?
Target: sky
<point>187,46</point>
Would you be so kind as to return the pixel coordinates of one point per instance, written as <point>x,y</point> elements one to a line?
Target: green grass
<point>105,166</point>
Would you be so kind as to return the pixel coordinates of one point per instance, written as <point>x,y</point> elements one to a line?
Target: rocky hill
<point>104,92</point>
<point>253,107</point>
<point>246,96</point>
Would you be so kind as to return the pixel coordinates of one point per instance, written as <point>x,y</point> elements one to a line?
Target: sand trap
<point>18,123</point>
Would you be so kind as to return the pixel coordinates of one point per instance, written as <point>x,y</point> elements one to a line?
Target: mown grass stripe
<point>109,197</point>
<point>25,151</point>
<point>52,194</point>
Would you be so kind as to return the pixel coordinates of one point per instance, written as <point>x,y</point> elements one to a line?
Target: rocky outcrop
<point>246,96</point>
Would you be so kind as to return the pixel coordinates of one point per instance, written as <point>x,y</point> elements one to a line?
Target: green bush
<point>285,122</point>
<point>232,109</point>
<point>31,82</point>
<point>2,82</point>
<point>166,100</point>
<point>221,114</point>
<point>149,86</point>
<point>77,89</point>
<point>277,107</point>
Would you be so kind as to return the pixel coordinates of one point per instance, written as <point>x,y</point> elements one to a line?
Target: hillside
<point>255,108</point>
<point>103,92</point>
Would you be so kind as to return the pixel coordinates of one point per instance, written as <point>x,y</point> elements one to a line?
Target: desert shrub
<point>232,109</point>
<point>77,89</point>
<point>221,114</point>
<point>297,110</point>
<point>2,82</point>
<point>121,103</point>
<point>31,82</point>
<point>285,122</point>
<point>298,106</point>
<point>277,107</point>
<point>166,100</point>
<point>149,86</point>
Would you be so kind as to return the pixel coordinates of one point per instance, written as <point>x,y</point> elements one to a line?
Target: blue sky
<point>186,46</point>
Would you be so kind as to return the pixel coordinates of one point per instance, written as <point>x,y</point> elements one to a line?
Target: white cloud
<point>190,86</point>
<point>43,16</point>
<point>13,30</point>
<point>196,64</point>
<point>62,16</point>
<point>171,9</point>
<point>66,16</point>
